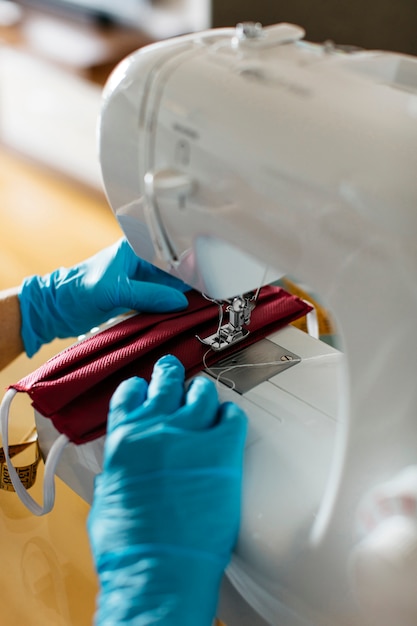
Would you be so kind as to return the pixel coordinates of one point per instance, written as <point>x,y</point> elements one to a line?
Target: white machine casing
<point>231,157</point>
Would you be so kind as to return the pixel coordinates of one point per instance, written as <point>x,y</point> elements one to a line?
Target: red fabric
<point>74,388</point>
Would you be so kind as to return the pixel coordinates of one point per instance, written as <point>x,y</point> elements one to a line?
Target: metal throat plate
<point>253,365</point>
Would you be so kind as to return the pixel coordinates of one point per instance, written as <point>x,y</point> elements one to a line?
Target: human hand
<point>166,507</point>
<point>71,301</point>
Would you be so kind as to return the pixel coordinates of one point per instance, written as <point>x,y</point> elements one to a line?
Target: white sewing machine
<point>232,157</point>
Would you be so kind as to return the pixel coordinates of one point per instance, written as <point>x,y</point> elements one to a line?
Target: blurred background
<point>55,56</point>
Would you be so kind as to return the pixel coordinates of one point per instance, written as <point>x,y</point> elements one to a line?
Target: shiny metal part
<point>253,365</point>
<point>249,30</point>
<point>239,311</point>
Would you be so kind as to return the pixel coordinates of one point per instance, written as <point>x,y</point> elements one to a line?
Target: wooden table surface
<point>46,575</point>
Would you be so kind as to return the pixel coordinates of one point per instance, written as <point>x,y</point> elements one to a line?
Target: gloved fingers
<point>149,273</point>
<point>148,297</point>
<point>200,408</point>
<point>166,388</point>
<point>233,423</point>
<point>110,259</point>
<point>139,269</point>
<point>128,397</point>
<point>230,411</point>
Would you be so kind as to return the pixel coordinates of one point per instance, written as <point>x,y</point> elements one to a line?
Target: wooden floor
<point>46,575</point>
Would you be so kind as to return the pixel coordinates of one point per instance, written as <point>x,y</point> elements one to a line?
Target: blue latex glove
<point>166,507</point>
<point>70,302</point>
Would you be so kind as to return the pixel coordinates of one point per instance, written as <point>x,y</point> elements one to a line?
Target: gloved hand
<point>166,507</point>
<point>70,302</point>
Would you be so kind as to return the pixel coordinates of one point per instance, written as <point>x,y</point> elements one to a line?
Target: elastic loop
<point>312,321</point>
<point>50,465</point>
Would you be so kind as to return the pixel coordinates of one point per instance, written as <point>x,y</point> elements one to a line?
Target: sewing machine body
<point>231,158</point>
<point>235,143</point>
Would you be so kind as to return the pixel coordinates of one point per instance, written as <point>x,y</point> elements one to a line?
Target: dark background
<point>375,24</point>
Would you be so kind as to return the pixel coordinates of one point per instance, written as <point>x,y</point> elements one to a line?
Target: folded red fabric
<point>74,388</point>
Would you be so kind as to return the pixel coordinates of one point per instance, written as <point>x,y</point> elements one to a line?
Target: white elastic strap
<point>50,465</point>
<point>312,321</point>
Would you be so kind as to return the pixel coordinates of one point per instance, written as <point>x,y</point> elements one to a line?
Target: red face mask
<point>74,388</point>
